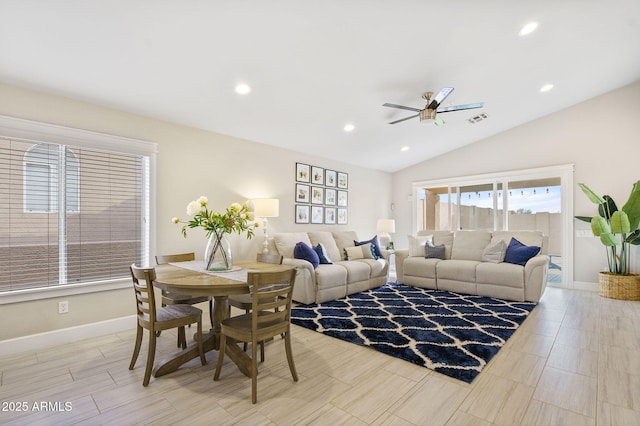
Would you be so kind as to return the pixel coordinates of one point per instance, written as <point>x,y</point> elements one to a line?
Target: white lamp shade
<point>266,207</point>
<point>386,226</point>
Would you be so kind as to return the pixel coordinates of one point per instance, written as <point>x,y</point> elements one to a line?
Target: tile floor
<point>574,361</point>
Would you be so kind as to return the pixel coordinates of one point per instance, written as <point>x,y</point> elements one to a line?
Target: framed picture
<point>302,214</point>
<point>317,195</point>
<point>317,214</point>
<point>342,198</point>
<point>342,216</point>
<point>343,180</point>
<point>317,175</point>
<point>330,178</point>
<point>302,193</point>
<point>330,215</point>
<point>330,196</point>
<point>303,172</point>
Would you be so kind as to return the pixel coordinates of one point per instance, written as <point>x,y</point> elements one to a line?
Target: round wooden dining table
<point>181,278</point>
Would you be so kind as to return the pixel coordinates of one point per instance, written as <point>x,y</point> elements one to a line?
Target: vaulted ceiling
<point>315,66</point>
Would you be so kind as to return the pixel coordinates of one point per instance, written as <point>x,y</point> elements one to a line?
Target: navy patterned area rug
<point>451,333</point>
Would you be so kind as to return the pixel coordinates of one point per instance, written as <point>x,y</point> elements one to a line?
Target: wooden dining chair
<point>270,316</point>
<point>244,301</point>
<point>181,299</point>
<point>156,319</point>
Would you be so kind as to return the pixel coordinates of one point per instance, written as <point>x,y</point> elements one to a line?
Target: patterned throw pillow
<point>322,254</point>
<point>353,253</point>
<point>376,246</point>
<point>433,252</point>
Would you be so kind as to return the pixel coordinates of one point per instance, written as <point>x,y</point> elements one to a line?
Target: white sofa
<point>464,271</point>
<point>329,281</point>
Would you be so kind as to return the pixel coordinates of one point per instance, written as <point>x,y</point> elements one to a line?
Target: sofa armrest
<point>299,264</point>
<point>535,277</point>
<point>401,255</point>
<point>304,290</point>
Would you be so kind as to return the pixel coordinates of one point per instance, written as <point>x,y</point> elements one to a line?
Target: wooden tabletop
<point>198,283</point>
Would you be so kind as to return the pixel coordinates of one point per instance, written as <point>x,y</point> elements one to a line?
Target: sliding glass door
<point>534,200</point>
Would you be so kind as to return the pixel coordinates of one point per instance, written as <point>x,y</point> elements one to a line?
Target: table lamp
<point>264,208</point>
<point>384,228</point>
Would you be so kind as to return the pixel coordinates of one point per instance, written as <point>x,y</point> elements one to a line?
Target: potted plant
<point>617,229</point>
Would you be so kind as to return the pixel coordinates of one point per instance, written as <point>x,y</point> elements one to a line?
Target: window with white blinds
<point>69,214</point>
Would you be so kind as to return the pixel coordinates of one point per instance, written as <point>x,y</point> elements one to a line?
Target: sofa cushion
<point>416,244</point>
<point>326,239</point>
<point>494,253</point>
<point>330,275</point>
<point>518,253</point>
<point>420,267</point>
<point>434,252</point>
<point>377,266</point>
<point>286,242</point>
<point>376,246</point>
<point>356,271</point>
<point>305,252</point>
<point>344,239</point>
<point>322,254</point>
<point>504,274</point>
<point>468,245</point>
<point>457,270</point>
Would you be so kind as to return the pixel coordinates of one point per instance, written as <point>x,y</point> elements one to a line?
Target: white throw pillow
<point>354,253</point>
<point>416,244</point>
<point>494,253</point>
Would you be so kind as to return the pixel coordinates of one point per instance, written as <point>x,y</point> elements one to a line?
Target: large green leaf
<point>607,208</point>
<point>600,226</point>
<point>620,223</point>
<point>632,206</point>
<point>595,198</point>
<point>584,218</point>
<point>609,240</point>
<point>633,238</point>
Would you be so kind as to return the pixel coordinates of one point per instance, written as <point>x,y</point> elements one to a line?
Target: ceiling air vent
<point>477,118</point>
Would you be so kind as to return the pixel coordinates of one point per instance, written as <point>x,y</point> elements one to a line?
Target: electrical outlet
<point>63,307</point>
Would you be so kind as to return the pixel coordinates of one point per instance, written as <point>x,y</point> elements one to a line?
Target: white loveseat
<point>464,270</point>
<point>329,281</point>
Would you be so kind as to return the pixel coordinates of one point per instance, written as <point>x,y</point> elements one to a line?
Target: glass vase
<point>217,255</point>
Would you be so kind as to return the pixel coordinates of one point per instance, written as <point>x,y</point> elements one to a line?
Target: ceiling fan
<point>433,107</point>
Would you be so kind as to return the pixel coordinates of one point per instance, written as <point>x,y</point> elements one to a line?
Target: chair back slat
<point>272,292</point>
<point>180,257</point>
<point>143,287</point>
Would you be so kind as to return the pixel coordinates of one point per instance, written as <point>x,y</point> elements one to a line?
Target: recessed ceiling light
<point>404,148</point>
<point>349,127</point>
<point>546,88</point>
<point>528,28</point>
<point>243,89</point>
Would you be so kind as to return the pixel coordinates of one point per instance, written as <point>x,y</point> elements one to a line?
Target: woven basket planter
<point>623,287</point>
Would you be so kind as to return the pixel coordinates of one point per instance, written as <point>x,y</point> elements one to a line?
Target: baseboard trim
<point>66,335</point>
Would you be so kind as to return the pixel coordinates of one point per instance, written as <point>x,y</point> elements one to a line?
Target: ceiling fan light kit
<point>432,108</point>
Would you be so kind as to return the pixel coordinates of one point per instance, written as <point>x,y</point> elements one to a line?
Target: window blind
<point>69,214</point>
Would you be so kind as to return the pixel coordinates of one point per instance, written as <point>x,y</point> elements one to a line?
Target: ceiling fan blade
<point>401,107</point>
<point>460,107</point>
<point>441,96</point>
<point>404,119</point>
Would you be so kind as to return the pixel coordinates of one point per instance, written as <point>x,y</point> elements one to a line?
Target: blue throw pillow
<point>376,246</point>
<point>518,253</point>
<point>304,252</point>
<point>322,254</point>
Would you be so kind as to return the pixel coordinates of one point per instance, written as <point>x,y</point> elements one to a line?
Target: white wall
<point>601,137</point>
<point>191,162</point>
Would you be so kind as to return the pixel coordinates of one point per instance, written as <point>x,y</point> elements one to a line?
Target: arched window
<point>51,177</point>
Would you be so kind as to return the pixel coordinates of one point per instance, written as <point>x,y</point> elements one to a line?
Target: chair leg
<point>211,313</point>
<point>203,360</point>
<point>287,346</point>
<point>136,348</point>
<point>223,342</point>
<point>182,339</point>
<point>150,358</point>
<point>254,371</point>
<point>262,351</point>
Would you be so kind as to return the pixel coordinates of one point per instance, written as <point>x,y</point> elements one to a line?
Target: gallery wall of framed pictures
<point>321,195</point>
